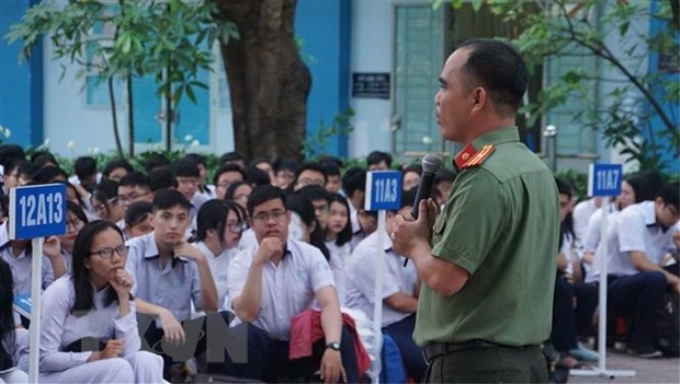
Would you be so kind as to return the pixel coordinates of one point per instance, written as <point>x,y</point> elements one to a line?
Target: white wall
<point>371,51</point>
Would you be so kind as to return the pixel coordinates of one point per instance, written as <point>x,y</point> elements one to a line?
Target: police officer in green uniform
<point>487,264</point>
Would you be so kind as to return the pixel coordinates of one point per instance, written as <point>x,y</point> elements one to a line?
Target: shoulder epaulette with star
<point>469,158</point>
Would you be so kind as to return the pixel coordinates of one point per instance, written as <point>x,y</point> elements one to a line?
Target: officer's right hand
<point>269,247</point>
<point>172,329</point>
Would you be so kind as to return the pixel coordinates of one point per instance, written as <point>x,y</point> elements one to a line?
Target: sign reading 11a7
<point>605,179</point>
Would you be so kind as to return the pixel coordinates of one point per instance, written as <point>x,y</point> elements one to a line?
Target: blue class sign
<point>37,211</point>
<point>605,179</point>
<point>383,190</point>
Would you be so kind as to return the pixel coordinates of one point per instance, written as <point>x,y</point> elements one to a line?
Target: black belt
<point>439,349</point>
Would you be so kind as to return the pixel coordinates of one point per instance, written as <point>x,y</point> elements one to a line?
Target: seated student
<point>321,200</point>
<point>338,237</point>
<point>225,176</point>
<point>162,178</point>
<point>13,341</point>
<point>367,224</point>
<point>310,173</point>
<point>303,223</point>
<point>207,190</point>
<point>62,245</point>
<point>284,172</point>
<point>132,188</point>
<point>399,293</point>
<point>170,275</point>
<point>377,161</point>
<point>271,284</point>
<point>411,176</point>
<point>353,186</point>
<point>219,225</point>
<point>638,240</point>
<point>116,169</point>
<point>239,191</point>
<point>187,174</point>
<point>265,166</point>
<point>334,179</point>
<point>443,183</point>
<point>86,175</point>
<point>104,201</point>
<point>138,220</point>
<point>89,328</point>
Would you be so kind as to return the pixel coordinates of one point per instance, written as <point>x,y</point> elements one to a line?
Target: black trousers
<point>203,334</point>
<point>411,354</point>
<point>489,365</point>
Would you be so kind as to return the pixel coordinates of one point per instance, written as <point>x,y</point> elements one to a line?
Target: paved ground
<point>665,370</point>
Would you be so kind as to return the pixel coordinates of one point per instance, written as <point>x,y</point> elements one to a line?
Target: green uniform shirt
<point>501,224</point>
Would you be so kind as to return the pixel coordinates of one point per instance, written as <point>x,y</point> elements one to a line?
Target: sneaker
<point>645,352</point>
<point>583,353</point>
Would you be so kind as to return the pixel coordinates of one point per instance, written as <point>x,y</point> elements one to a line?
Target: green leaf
<point>190,93</point>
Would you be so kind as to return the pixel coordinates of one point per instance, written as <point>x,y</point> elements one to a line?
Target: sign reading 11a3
<point>383,190</point>
<point>605,179</point>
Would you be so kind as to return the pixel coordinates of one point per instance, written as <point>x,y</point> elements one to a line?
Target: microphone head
<point>431,163</point>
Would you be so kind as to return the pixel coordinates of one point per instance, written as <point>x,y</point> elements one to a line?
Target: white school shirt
<point>21,266</point>
<point>582,213</point>
<point>339,255</point>
<point>219,266</point>
<point>174,287</point>
<point>635,229</point>
<point>567,250</point>
<point>361,269</point>
<point>287,288</point>
<point>248,240</point>
<point>60,327</point>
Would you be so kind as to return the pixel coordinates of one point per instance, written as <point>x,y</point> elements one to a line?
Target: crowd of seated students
<point>265,273</point>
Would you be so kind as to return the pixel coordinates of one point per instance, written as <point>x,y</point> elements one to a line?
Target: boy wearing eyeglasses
<point>272,283</point>
<point>170,275</point>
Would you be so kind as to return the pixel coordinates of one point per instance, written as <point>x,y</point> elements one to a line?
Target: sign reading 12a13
<point>37,211</point>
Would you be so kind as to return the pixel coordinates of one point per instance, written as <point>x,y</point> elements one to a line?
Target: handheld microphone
<point>431,165</point>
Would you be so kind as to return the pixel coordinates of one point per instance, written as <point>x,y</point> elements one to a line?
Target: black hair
<point>670,194</point>
<point>408,197</point>
<point>377,157</point>
<point>10,153</point>
<point>7,325</point>
<point>115,164</point>
<point>256,176</point>
<point>354,180</point>
<point>262,194</point>
<point>228,168</point>
<point>75,190</point>
<point>285,164</point>
<point>444,175</point>
<point>135,179</point>
<point>168,198</point>
<point>645,185</point>
<point>345,236</point>
<point>195,158</point>
<point>417,168</point>
<point>567,226</point>
<point>213,215</point>
<point>161,178</point>
<point>136,212</point>
<point>231,191</point>
<point>4,206</point>
<point>85,166</point>
<point>155,159</point>
<point>260,160</point>
<point>106,192</point>
<point>47,175</point>
<point>331,169</point>
<point>185,168</point>
<point>231,157</point>
<point>84,300</point>
<point>564,187</point>
<point>311,166</point>
<point>76,210</point>
<point>314,193</point>
<point>331,160</point>
<point>305,209</point>
<point>499,68</point>
<point>40,158</point>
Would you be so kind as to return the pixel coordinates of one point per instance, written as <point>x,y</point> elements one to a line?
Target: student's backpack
<point>668,324</point>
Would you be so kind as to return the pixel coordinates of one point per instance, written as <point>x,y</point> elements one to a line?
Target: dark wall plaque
<point>371,85</point>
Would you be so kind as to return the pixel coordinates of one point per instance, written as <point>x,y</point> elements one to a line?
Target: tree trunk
<point>268,81</point>
<point>114,115</point>
<point>131,117</point>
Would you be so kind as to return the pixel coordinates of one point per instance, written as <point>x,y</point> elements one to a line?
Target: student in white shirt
<point>208,191</point>
<point>138,220</point>
<point>399,292</point>
<point>582,213</point>
<point>75,221</point>
<point>239,191</point>
<point>638,240</point>
<point>13,340</point>
<point>338,238</point>
<point>133,187</point>
<point>219,226</point>
<point>89,328</point>
<point>104,201</point>
<point>271,284</point>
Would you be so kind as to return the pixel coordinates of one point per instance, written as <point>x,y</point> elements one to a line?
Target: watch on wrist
<point>334,346</point>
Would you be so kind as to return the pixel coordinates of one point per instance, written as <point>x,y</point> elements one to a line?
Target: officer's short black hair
<point>354,180</point>
<point>262,194</point>
<point>670,194</point>
<point>85,166</point>
<point>170,198</point>
<point>377,157</point>
<point>115,164</point>
<point>155,159</point>
<point>256,176</point>
<point>499,68</point>
<point>135,179</point>
<point>185,168</point>
<point>161,178</point>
